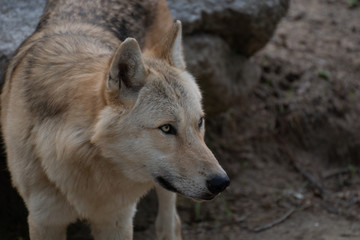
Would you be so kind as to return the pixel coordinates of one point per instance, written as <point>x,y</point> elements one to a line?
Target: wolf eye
<point>201,122</point>
<point>168,129</point>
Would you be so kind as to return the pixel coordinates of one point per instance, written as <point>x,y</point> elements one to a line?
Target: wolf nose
<point>218,184</point>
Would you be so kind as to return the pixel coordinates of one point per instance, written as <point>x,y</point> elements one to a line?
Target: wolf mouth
<point>165,184</point>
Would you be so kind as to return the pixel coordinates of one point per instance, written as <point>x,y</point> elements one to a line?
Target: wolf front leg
<point>117,227</point>
<point>168,224</point>
<point>46,232</point>
<point>49,215</point>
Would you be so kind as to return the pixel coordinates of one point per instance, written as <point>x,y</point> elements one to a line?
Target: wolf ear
<point>127,72</point>
<point>171,48</point>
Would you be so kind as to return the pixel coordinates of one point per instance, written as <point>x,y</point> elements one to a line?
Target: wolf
<point>97,109</point>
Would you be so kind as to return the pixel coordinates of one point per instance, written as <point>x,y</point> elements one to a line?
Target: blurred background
<point>281,86</point>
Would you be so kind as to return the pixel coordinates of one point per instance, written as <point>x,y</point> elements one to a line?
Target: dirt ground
<point>292,148</point>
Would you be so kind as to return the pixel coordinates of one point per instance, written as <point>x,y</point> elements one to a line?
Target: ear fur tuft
<point>171,48</point>
<point>127,70</point>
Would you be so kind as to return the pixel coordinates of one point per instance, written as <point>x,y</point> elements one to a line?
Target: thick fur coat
<point>98,108</point>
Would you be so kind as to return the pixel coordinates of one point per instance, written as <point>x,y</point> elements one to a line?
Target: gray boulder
<point>246,25</point>
<point>18,20</point>
<point>220,35</point>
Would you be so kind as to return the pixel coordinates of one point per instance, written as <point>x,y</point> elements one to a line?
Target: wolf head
<point>153,124</point>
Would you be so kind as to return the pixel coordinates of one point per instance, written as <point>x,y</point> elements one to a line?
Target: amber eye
<point>168,129</point>
<point>201,122</point>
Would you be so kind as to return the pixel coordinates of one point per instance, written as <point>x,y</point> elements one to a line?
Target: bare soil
<point>292,148</point>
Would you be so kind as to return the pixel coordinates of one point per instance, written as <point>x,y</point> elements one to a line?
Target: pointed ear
<point>171,48</point>
<point>127,72</point>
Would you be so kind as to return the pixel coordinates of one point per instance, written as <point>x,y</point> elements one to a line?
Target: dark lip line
<point>165,184</point>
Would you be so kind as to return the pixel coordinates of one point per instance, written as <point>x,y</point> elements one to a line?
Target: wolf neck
<point>74,72</point>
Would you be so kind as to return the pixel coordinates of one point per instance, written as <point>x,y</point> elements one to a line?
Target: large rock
<point>246,25</point>
<point>224,77</point>
<point>18,20</point>
<point>219,37</point>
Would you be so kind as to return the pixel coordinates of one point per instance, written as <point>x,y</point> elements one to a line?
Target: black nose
<point>218,184</point>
